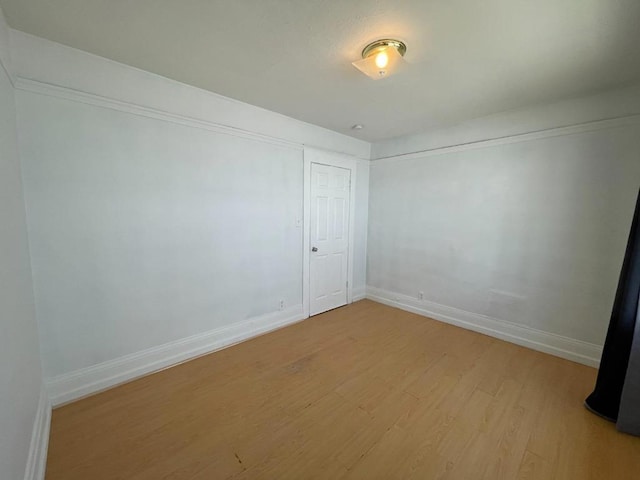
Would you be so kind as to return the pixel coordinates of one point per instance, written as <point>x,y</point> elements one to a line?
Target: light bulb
<point>382,59</point>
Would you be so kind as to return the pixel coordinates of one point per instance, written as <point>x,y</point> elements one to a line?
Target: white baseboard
<point>359,294</point>
<point>558,345</point>
<point>80,383</point>
<point>37,460</point>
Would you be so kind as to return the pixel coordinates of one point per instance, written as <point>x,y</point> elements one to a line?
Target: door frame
<point>333,159</point>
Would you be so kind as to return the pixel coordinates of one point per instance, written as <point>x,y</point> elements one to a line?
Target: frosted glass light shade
<point>374,65</point>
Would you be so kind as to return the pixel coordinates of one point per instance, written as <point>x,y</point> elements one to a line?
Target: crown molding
<point>56,91</point>
<point>517,138</point>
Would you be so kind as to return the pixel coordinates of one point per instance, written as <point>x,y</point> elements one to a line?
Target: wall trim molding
<point>37,459</point>
<point>72,386</point>
<point>359,293</point>
<point>551,343</point>
<point>585,127</point>
<point>56,91</point>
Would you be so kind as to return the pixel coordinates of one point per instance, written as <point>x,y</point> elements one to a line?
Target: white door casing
<point>329,237</point>
<point>328,273</point>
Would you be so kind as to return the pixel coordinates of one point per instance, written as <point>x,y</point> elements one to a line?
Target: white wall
<point>20,377</point>
<point>144,232</point>
<point>361,226</point>
<point>150,223</point>
<point>530,231</point>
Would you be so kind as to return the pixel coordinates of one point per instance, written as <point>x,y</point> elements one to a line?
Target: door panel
<point>329,237</point>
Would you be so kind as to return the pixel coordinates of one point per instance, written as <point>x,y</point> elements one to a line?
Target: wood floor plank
<point>364,391</point>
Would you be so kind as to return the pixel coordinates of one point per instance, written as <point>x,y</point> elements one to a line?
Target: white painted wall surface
<point>532,233</point>
<point>361,221</point>
<point>20,377</point>
<point>144,232</point>
<point>147,225</point>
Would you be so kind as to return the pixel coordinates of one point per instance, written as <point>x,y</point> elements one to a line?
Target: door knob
<point>314,249</point>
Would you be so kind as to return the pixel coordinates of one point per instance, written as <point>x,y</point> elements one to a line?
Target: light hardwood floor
<point>361,392</point>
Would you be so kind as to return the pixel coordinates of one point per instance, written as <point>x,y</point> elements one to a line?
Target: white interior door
<point>329,237</point>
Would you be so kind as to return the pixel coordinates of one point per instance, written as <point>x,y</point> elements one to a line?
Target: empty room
<point>319,239</point>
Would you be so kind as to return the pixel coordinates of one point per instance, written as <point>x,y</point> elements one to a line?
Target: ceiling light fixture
<point>381,58</point>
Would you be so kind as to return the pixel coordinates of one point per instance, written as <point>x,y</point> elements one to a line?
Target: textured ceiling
<point>467,58</point>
